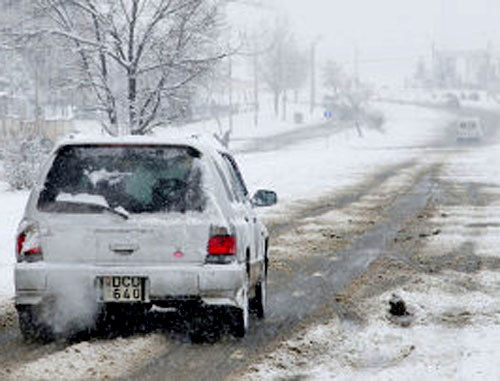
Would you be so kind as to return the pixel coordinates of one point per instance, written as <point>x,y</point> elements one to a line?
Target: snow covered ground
<point>454,338</point>
<point>455,329</point>
<point>243,124</point>
<point>441,97</point>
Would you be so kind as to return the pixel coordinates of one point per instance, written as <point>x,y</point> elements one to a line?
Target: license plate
<point>123,289</point>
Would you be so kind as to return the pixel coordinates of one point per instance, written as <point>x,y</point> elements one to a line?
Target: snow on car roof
<point>201,143</point>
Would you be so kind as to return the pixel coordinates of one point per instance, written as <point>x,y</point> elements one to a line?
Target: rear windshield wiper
<point>119,211</point>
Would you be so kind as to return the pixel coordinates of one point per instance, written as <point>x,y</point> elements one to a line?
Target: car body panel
<point>44,281</point>
<point>469,129</point>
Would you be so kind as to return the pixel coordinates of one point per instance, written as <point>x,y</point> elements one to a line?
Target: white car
<point>131,223</point>
<point>470,129</point>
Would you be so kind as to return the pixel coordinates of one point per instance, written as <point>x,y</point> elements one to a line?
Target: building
<point>474,69</point>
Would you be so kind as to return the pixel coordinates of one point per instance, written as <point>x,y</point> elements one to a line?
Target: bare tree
<point>284,67</point>
<point>41,74</point>
<point>138,57</point>
<point>334,80</point>
<point>347,98</point>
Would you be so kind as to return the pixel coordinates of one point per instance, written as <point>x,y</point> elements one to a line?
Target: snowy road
<point>323,242</point>
<point>442,260</point>
<point>290,138</point>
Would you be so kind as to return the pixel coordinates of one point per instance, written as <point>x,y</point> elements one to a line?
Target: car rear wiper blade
<point>119,211</point>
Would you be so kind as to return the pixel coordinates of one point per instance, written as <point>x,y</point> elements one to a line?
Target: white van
<point>470,129</point>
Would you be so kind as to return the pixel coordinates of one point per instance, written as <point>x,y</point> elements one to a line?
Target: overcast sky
<point>392,34</point>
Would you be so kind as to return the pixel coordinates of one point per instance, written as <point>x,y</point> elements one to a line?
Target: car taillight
<point>222,245</point>
<point>28,247</point>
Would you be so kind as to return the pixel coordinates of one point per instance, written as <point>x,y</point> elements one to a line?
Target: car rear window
<point>138,179</point>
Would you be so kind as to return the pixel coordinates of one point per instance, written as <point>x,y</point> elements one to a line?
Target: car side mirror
<point>264,197</point>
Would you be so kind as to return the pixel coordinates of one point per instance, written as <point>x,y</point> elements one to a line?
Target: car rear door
<point>254,231</point>
<point>164,218</point>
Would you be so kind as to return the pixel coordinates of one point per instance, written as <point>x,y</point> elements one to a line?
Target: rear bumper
<point>213,284</point>
<point>469,137</point>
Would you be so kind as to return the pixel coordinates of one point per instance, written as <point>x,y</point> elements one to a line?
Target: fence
<point>51,129</point>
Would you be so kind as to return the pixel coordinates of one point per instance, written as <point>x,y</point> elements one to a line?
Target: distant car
<point>452,101</point>
<point>124,225</point>
<point>475,97</point>
<point>470,129</point>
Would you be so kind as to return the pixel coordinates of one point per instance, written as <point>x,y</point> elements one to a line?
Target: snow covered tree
<point>284,66</point>
<point>23,158</point>
<point>37,69</point>
<point>334,80</point>
<point>347,98</point>
<point>139,58</point>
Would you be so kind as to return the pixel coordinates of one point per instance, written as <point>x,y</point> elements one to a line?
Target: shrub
<point>23,158</point>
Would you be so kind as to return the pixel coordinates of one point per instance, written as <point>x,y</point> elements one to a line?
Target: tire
<point>240,316</point>
<point>32,328</point>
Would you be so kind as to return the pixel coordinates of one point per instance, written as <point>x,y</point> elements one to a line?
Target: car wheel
<point>240,315</point>
<point>32,326</point>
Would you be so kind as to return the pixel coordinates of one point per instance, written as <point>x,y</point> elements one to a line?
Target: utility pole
<point>37,96</point>
<point>256,51</point>
<point>230,75</point>
<point>255,86</point>
<point>313,78</point>
<point>356,67</point>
